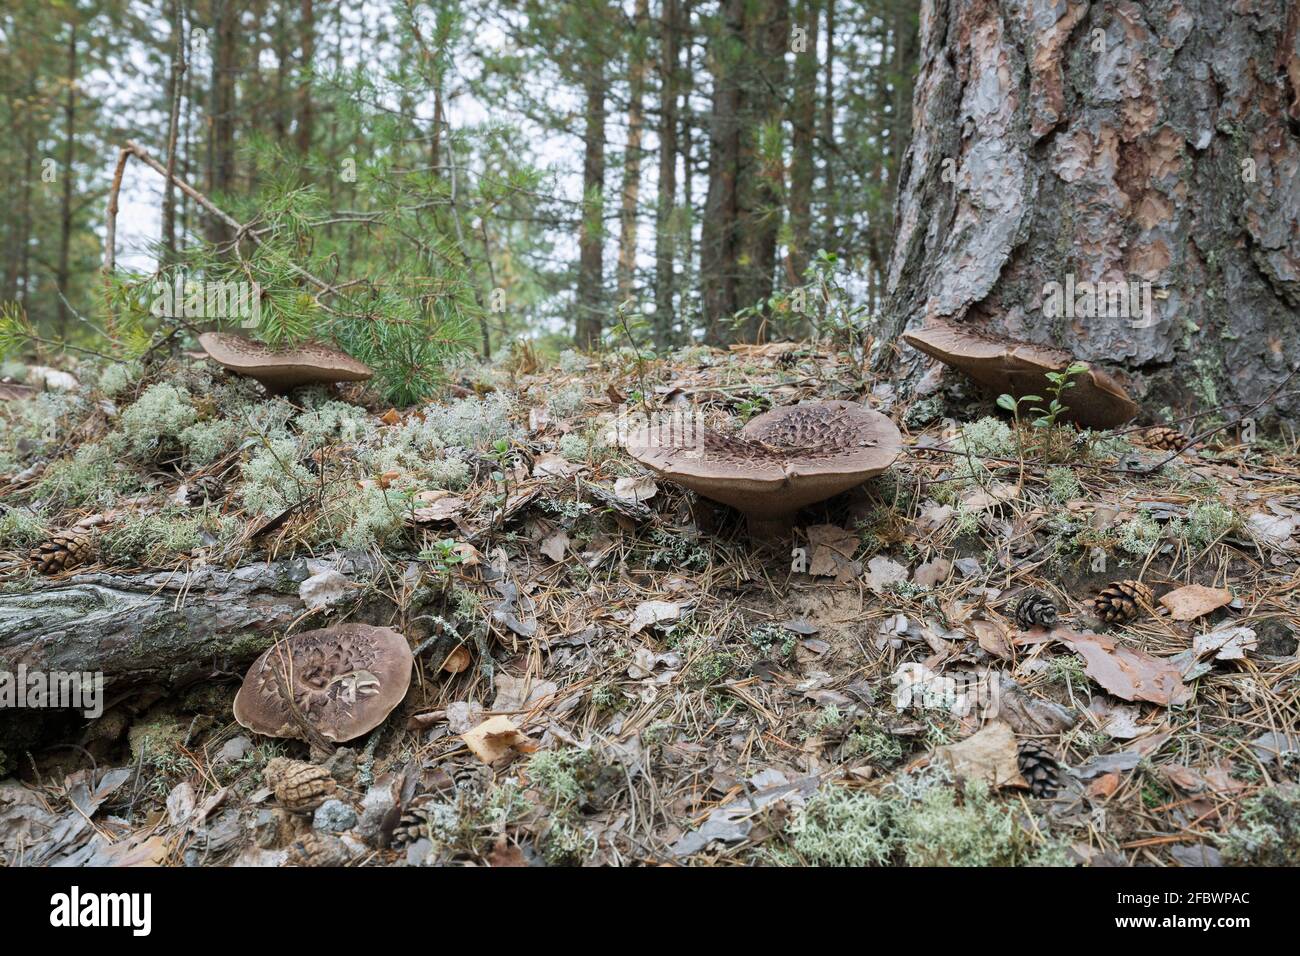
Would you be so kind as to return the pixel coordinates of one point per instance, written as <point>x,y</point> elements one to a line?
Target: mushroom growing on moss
<point>282,369</point>
<point>780,462</point>
<point>1003,365</point>
<point>343,680</point>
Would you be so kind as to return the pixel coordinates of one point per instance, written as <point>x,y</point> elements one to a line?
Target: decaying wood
<point>161,628</point>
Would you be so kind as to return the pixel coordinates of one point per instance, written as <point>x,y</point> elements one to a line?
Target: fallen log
<point>164,628</point>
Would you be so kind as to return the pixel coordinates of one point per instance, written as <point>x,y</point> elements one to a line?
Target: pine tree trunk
<point>592,233</point>
<point>64,274</point>
<point>174,80</point>
<point>306,113</point>
<point>632,160</point>
<point>665,246</point>
<point>719,248</point>
<point>1114,142</point>
<point>804,124</point>
<point>225,64</point>
<point>742,214</point>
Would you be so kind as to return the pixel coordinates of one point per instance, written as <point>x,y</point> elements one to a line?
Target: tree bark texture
<point>165,628</point>
<point>1117,142</point>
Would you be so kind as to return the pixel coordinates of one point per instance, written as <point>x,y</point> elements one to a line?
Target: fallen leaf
<point>652,613</point>
<point>555,546</point>
<point>493,739</point>
<point>444,508</point>
<point>981,499</point>
<point>551,465</point>
<point>1117,720</point>
<point>1125,671</point>
<point>519,693</point>
<point>1194,600</point>
<point>881,571</point>
<point>636,488</point>
<point>1103,786</point>
<point>831,550</point>
<point>989,755</point>
<point>1226,644</point>
<point>932,573</point>
<point>992,637</point>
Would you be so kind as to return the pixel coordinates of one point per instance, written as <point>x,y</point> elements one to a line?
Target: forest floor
<point>656,687</point>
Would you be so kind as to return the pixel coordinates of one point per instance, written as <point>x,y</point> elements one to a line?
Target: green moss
<point>274,479</point>
<point>1268,832</point>
<point>21,528</point>
<point>151,538</point>
<point>154,420</point>
<point>1138,536</point>
<point>1063,485</point>
<point>92,476</point>
<point>920,820</point>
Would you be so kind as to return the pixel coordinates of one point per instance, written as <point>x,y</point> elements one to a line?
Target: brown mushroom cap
<point>282,369</point>
<point>781,461</point>
<point>345,680</point>
<point>1001,365</point>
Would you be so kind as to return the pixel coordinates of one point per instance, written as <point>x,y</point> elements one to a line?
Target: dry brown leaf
<point>1104,785</point>
<point>443,508</point>
<point>555,546</point>
<point>1194,600</point>
<point>493,739</point>
<point>1124,671</point>
<point>993,638</point>
<point>989,755</point>
<point>831,550</point>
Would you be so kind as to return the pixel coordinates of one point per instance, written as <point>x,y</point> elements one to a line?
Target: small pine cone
<point>1163,438</point>
<point>62,552</point>
<point>1035,609</point>
<point>1122,602</point>
<point>317,849</point>
<point>298,785</point>
<point>1039,768</point>
<point>413,826</point>
<point>203,489</point>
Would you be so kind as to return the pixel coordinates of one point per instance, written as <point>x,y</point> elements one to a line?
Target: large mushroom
<point>280,370</point>
<point>344,681</point>
<point>780,462</point>
<point>1003,365</point>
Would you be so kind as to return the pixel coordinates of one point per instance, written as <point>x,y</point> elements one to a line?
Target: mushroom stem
<point>769,528</point>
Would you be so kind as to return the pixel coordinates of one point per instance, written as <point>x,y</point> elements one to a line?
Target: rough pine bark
<point>591,244</point>
<point>1119,142</point>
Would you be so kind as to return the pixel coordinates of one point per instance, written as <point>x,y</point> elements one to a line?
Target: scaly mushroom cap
<point>345,680</point>
<point>1001,365</point>
<point>781,461</point>
<point>282,369</point>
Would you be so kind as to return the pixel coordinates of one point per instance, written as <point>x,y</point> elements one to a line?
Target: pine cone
<point>317,849</point>
<point>298,785</point>
<point>62,552</point>
<point>1035,609</point>
<point>203,489</point>
<point>413,826</point>
<point>1040,768</point>
<point>1122,602</point>
<point>1163,438</point>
